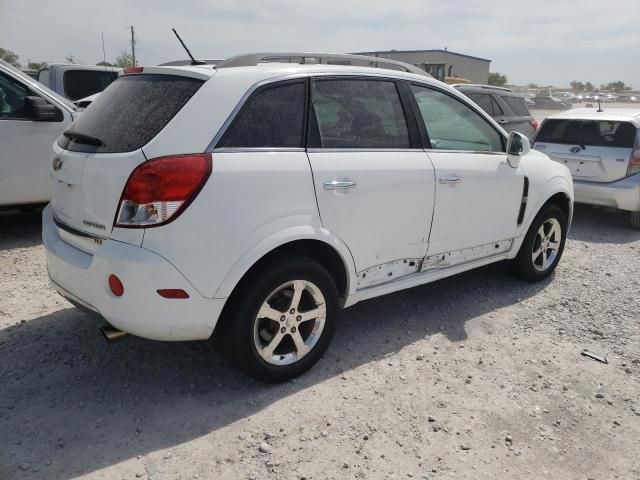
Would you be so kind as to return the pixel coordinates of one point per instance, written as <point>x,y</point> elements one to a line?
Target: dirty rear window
<point>129,113</point>
<point>595,133</point>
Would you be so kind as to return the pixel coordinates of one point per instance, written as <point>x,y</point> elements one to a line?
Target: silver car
<point>602,150</point>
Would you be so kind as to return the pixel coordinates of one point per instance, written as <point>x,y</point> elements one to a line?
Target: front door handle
<point>335,185</point>
<point>450,179</point>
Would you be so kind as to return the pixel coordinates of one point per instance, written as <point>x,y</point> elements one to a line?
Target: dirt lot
<point>478,376</point>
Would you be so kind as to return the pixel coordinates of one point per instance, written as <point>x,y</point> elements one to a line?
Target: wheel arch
<point>321,246</point>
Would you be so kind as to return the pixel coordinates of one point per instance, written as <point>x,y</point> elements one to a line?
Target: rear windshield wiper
<point>83,138</point>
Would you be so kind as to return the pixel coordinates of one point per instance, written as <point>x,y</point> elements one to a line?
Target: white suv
<point>264,198</point>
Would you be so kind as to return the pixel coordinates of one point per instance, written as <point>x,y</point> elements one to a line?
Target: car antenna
<point>193,60</point>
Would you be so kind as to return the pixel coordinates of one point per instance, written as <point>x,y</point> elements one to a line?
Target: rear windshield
<point>129,113</point>
<point>595,133</point>
<point>517,104</point>
<point>82,83</point>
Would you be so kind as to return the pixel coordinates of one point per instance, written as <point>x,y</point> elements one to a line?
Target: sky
<point>548,42</point>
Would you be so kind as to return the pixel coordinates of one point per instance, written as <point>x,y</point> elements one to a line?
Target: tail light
<point>159,190</point>
<point>634,161</point>
<point>534,123</point>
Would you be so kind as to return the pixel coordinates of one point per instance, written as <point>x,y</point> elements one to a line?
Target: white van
<point>31,118</point>
<point>77,81</point>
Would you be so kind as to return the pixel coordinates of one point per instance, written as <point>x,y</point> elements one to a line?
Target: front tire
<point>282,318</point>
<point>543,245</point>
<point>634,220</point>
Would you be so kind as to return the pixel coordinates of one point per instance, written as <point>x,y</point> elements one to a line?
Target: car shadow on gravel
<point>72,404</point>
<point>20,230</point>
<point>601,225</point>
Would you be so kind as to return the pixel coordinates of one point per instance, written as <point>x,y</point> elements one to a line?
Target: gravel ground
<point>476,376</point>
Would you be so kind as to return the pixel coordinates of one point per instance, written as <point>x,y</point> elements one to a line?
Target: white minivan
<point>260,198</point>
<point>31,118</point>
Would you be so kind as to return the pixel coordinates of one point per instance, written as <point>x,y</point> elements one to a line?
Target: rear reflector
<point>159,190</point>
<point>173,293</point>
<point>133,70</point>
<point>116,286</point>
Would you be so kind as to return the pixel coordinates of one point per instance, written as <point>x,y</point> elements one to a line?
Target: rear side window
<point>129,113</point>
<point>82,83</point>
<point>272,117</point>
<point>359,114</point>
<point>518,105</point>
<point>483,100</point>
<point>595,133</point>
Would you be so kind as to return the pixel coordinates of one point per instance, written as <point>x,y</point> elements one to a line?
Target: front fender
<point>279,238</point>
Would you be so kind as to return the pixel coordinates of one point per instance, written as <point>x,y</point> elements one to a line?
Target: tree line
<point>123,60</point>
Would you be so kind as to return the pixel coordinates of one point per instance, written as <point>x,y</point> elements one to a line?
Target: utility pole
<point>133,46</point>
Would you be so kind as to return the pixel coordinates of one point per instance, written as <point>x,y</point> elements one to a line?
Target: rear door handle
<point>450,179</point>
<point>335,185</point>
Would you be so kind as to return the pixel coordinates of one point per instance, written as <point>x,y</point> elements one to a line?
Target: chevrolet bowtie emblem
<point>57,163</point>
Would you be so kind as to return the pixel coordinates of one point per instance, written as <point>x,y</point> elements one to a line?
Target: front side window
<point>272,118</point>
<point>354,113</point>
<point>452,125</point>
<point>13,94</point>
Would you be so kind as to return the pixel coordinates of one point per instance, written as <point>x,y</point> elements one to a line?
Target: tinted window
<point>518,105</point>
<point>588,132</point>
<point>79,84</point>
<point>12,98</point>
<point>452,125</point>
<point>131,111</point>
<point>272,117</point>
<point>359,114</point>
<point>497,109</point>
<point>483,100</point>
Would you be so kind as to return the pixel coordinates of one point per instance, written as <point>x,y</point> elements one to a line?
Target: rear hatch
<point>98,152</point>
<point>594,150</point>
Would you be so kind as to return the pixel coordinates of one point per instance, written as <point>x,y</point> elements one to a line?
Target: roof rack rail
<point>253,59</point>
<point>480,85</point>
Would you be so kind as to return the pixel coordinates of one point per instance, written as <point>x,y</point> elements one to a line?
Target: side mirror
<point>42,111</point>
<point>517,146</point>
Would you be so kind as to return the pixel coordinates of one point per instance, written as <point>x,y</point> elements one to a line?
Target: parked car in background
<point>77,81</point>
<point>547,102</point>
<point>628,98</point>
<point>31,118</point>
<point>602,150</point>
<point>265,197</point>
<point>507,108</point>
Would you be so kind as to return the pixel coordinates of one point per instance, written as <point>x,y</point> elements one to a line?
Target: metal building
<point>441,63</point>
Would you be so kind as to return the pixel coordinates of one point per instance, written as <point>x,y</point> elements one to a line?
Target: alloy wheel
<point>546,244</point>
<point>289,322</point>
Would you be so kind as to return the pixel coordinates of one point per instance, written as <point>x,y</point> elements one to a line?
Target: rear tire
<point>543,245</point>
<point>634,220</point>
<point>281,319</point>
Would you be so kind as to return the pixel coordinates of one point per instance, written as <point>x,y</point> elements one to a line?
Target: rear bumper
<point>623,194</point>
<point>82,278</point>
